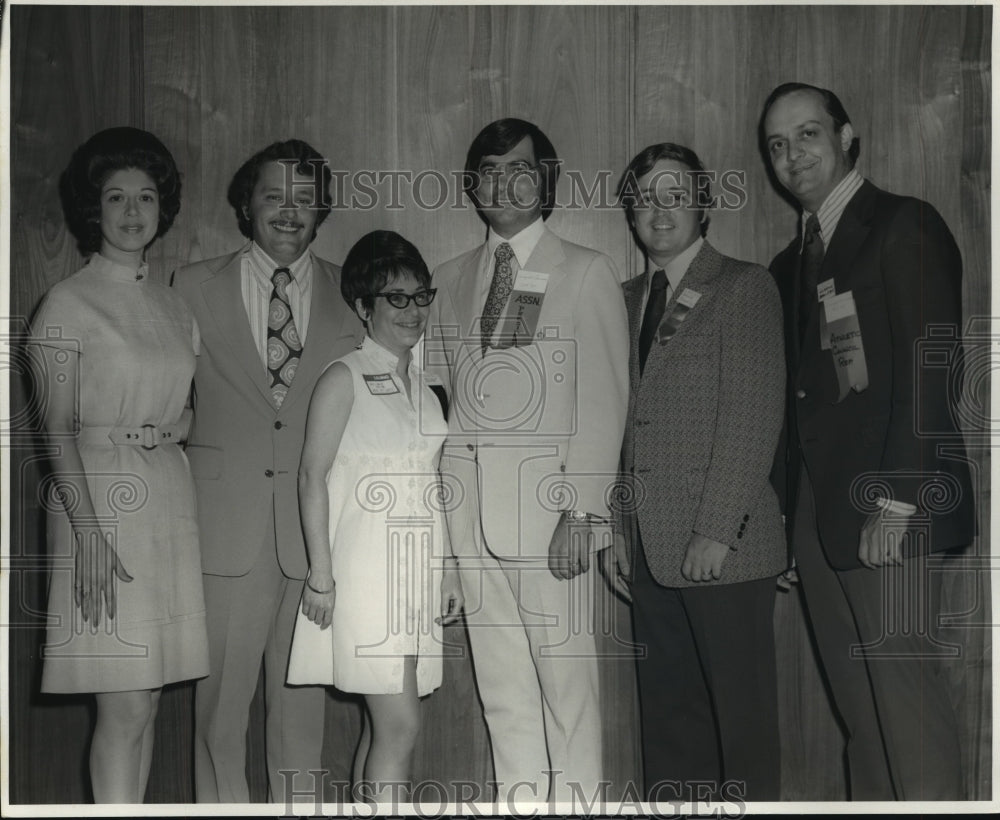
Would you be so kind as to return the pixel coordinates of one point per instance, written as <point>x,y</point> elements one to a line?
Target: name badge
<point>689,298</point>
<point>518,324</point>
<point>846,344</point>
<point>380,384</point>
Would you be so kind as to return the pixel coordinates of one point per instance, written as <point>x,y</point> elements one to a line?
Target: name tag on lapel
<point>380,384</point>
<point>518,324</point>
<point>668,327</point>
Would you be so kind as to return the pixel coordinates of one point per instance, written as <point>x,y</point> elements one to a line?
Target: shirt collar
<point>833,206</point>
<point>266,265</point>
<point>522,243</point>
<point>384,356</point>
<point>676,267</point>
<point>115,270</point>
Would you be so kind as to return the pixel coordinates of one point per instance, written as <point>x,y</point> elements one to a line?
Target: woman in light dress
<point>381,570</point>
<point>116,354</point>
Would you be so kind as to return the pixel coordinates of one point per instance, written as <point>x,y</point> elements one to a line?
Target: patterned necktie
<point>500,288</point>
<point>809,267</point>
<point>283,345</point>
<point>651,319</point>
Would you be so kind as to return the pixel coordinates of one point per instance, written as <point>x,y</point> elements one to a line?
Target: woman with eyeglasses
<point>382,581</point>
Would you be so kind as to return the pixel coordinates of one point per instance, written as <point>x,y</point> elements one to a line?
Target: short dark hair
<point>644,162</point>
<point>375,260</point>
<point>501,136</point>
<point>115,149</point>
<point>831,104</point>
<point>305,157</point>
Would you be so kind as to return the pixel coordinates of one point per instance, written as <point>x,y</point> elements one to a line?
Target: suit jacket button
<point>800,393</point>
<point>746,517</point>
<point>470,447</point>
<point>278,425</point>
<point>269,473</point>
<point>739,534</point>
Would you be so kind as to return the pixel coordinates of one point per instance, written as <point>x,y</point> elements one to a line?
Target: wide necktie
<point>500,288</point>
<point>283,344</point>
<point>651,319</point>
<point>810,264</point>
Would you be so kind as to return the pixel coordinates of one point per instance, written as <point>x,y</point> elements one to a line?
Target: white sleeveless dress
<point>385,538</point>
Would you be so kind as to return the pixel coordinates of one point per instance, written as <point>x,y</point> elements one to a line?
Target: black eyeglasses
<point>400,301</point>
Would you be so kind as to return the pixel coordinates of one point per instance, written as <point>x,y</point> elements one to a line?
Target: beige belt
<point>147,436</point>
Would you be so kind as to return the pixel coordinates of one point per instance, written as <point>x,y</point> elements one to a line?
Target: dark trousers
<point>886,668</point>
<point>707,689</point>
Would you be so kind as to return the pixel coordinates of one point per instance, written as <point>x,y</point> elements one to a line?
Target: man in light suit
<point>271,317</point>
<point>704,538</point>
<point>529,334</point>
<point>868,490</point>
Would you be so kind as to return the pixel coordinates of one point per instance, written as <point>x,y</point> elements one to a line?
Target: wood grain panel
<point>405,89</point>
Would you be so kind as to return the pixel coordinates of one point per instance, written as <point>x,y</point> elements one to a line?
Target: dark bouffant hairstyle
<point>306,159</point>
<point>831,104</point>
<point>645,161</point>
<point>115,149</point>
<point>376,259</point>
<point>499,137</point>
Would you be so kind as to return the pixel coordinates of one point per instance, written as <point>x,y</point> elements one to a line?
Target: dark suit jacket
<point>900,261</point>
<point>703,423</point>
<point>244,453</point>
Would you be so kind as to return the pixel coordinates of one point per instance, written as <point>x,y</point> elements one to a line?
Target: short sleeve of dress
<point>56,323</point>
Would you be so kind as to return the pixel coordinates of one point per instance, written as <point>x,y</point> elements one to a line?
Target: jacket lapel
<point>224,296</point>
<point>699,278</point>
<point>326,315</point>
<point>852,230</point>
<point>634,289</point>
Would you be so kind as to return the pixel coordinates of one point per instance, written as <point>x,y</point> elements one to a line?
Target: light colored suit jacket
<point>244,453</point>
<point>704,420</point>
<point>535,429</point>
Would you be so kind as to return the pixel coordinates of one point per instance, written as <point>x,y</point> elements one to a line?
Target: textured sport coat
<point>537,428</point>
<point>244,453</point>
<point>704,420</point>
<point>899,437</point>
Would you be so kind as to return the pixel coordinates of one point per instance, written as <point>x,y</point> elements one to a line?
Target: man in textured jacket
<point>702,522</point>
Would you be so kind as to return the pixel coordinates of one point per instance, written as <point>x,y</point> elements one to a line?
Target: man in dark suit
<point>271,317</point>
<point>705,540</point>
<point>868,491</point>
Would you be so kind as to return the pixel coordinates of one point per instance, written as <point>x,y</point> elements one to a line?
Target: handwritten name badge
<point>518,324</point>
<point>846,345</point>
<point>380,384</point>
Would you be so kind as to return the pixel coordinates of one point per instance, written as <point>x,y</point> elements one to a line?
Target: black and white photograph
<point>483,410</point>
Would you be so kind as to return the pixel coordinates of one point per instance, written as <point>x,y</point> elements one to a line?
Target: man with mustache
<point>869,492</point>
<point>271,317</point>
<point>705,536</point>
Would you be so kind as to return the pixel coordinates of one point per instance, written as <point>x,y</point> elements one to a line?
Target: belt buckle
<point>149,436</point>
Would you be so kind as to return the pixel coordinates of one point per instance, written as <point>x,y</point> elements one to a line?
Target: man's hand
<point>703,559</point>
<point>880,546</point>
<point>569,549</point>
<point>614,566</point>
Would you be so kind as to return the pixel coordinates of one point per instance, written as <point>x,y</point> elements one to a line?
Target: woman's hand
<point>96,565</point>
<point>452,599</point>
<point>318,597</point>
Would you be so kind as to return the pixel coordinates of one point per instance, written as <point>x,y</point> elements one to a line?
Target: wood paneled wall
<point>406,89</point>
